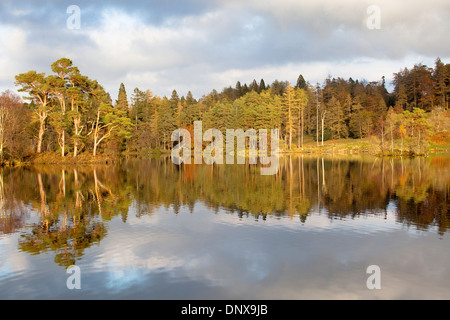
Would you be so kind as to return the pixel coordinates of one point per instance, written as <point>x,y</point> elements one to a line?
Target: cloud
<point>201,45</point>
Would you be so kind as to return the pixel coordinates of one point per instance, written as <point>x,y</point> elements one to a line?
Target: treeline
<point>69,113</point>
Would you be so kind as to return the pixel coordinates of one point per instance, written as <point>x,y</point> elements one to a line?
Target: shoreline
<point>343,147</point>
<point>51,159</point>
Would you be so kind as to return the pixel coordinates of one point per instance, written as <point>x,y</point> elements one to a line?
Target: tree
<point>63,69</point>
<point>37,85</point>
<point>356,121</point>
<point>402,98</point>
<point>262,85</point>
<point>57,116</point>
<point>323,113</point>
<point>109,121</point>
<point>337,117</point>
<point>447,83</point>
<point>418,85</point>
<point>317,94</point>
<point>440,76</point>
<point>301,83</point>
<point>438,120</point>
<point>302,99</point>
<point>390,123</point>
<point>14,119</point>
<point>136,108</point>
<point>191,109</point>
<point>80,97</point>
<point>400,121</point>
<point>4,114</point>
<point>154,128</point>
<point>166,122</point>
<point>278,87</point>
<point>238,89</point>
<point>254,86</point>
<point>122,100</point>
<point>421,128</point>
<point>289,103</point>
<point>426,87</point>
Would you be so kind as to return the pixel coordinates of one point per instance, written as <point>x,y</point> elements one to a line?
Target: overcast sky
<point>202,45</point>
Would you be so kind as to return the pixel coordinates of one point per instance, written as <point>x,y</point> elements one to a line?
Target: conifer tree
<point>290,102</point>
<point>122,99</point>
<point>62,68</point>
<point>262,85</point>
<point>37,85</point>
<point>302,100</point>
<point>301,83</point>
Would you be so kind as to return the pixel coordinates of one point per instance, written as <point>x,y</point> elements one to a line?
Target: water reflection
<point>74,204</point>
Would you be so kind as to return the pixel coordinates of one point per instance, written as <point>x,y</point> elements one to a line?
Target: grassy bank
<point>342,146</point>
<point>55,158</point>
<point>369,146</point>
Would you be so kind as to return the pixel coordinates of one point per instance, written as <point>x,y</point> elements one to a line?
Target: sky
<point>202,45</point>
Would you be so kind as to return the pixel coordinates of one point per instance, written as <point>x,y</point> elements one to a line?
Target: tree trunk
<point>63,133</point>
<point>419,144</point>
<point>317,121</point>
<point>302,129</point>
<point>401,148</point>
<point>63,138</point>
<point>290,126</point>
<point>41,134</point>
<point>96,133</point>
<point>392,141</point>
<point>323,118</point>
<point>2,131</point>
<point>1,144</point>
<point>95,148</point>
<point>77,129</point>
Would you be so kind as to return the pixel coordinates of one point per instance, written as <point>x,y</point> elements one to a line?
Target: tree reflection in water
<point>75,203</point>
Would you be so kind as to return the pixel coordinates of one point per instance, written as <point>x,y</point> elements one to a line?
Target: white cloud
<point>12,43</point>
<point>162,48</point>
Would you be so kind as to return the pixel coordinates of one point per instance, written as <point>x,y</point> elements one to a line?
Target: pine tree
<point>37,85</point>
<point>390,123</point>
<point>191,109</point>
<point>109,122</point>
<point>439,75</point>
<point>301,83</point>
<point>166,122</point>
<point>262,85</point>
<point>302,102</point>
<point>254,86</point>
<point>238,88</point>
<point>79,93</point>
<point>63,69</point>
<point>336,118</point>
<point>290,103</point>
<point>356,121</point>
<point>138,103</point>
<point>122,100</point>
<point>402,98</point>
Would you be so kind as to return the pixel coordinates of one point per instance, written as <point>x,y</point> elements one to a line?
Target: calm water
<point>152,230</point>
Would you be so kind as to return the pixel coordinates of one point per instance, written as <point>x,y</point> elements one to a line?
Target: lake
<point>148,229</point>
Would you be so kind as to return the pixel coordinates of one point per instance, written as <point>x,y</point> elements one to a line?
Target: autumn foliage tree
<point>15,117</point>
